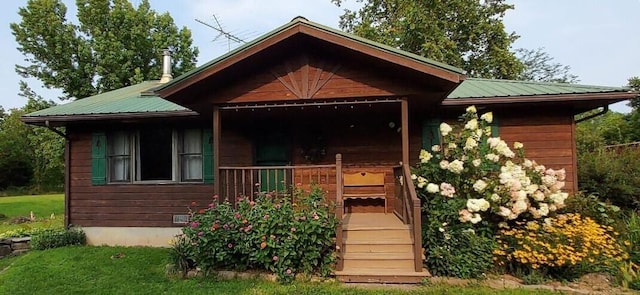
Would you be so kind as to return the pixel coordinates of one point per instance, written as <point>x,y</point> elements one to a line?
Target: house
<point>302,104</point>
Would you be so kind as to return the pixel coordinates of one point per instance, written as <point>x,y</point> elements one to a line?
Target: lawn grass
<point>91,270</point>
<point>42,207</point>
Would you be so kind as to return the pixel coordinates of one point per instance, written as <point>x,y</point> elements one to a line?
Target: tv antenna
<point>222,32</point>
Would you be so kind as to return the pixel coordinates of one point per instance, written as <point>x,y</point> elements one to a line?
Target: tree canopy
<point>468,34</point>
<point>540,66</point>
<point>113,45</point>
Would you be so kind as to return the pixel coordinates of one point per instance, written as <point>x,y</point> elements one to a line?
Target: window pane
<point>191,155</point>
<point>119,168</point>
<point>192,142</point>
<point>155,154</point>
<point>192,167</point>
<point>119,157</point>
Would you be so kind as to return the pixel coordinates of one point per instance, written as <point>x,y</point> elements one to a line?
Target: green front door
<point>273,149</point>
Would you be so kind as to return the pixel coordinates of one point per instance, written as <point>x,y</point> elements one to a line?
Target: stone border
<point>14,246</point>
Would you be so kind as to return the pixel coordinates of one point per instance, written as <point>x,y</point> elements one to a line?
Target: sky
<point>598,39</point>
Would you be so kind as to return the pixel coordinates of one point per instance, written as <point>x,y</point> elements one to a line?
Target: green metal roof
<point>320,27</point>
<point>131,99</point>
<point>483,88</point>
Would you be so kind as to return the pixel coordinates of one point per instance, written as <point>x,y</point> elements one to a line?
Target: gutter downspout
<point>67,171</point>
<point>600,113</point>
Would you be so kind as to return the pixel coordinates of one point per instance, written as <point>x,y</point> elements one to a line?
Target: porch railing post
<point>339,212</point>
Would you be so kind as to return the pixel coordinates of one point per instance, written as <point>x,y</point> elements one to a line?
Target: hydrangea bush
<point>470,183</point>
<point>273,232</point>
<point>495,182</point>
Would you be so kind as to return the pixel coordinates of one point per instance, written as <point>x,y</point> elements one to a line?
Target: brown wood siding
<point>125,204</point>
<point>547,139</point>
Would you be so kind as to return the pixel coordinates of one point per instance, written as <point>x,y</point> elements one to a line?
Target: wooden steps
<point>377,248</point>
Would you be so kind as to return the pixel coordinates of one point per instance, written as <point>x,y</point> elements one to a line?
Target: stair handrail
<point>339,213</point>
<point>414,212</point>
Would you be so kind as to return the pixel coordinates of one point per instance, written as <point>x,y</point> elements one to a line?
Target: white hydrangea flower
<point>433,188</point>
<point>444,164</point>
<point>492,157</point>
<point>456,166</point>
<point>487,117</point>
<point>479,185</point>
<point>471,124</point>
<point>414,177</point>
<point>476,162</point>
<point>470,144</point>
<point>517,145</point>
<point>452,146</point>
<point>478,205</point>
<point>425,156</point>
<point>471,109</point>
<point>495,197</point>
<point>476,218</point>
<point>445,129</point>
<point>435,148</point>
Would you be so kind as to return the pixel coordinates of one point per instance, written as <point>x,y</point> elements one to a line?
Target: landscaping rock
<point>19,220</point>
<point>5,250</point>
<point>21,240</point>
<point>5,242</point>
<point>20,246</point>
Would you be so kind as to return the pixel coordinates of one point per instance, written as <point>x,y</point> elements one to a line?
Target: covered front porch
<point>284,146</point>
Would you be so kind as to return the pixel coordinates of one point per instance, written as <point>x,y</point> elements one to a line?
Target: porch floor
<point>377,248</point>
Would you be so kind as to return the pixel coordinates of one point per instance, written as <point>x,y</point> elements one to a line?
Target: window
<point>151,155</point>
<point>119,157</point>
<point>191,155</point>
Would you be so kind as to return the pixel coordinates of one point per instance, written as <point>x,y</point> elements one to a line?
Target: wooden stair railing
<point>408,209</point>
<point>339,213</point>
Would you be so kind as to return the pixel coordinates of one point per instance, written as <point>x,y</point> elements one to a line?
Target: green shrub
<point>611,175</point>
<point>604,213</point>
<point>54,238</point>
<point>273,232</point>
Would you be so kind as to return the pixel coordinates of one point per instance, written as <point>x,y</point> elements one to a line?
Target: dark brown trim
<point>67,181</point>
<point>217,128</point>
<point>604,96</point>
<point>41,120</point>
<point>404,106</point>
<point>574,154</point>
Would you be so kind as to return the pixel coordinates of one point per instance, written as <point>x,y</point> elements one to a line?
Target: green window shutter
<point>207,156</point>
<point>430,133</point>
<point>98,158</point>
<point>495,129</point>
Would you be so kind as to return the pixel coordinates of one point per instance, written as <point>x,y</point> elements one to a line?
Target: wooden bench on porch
<point>364,185</point>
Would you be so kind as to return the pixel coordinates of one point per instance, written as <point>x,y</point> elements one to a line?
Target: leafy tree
<point>468,34</point>
<point>540,66</point>
<point>634,83</point>
<point>46,147</point>
<point>15,151</point>
<point>113,45</point>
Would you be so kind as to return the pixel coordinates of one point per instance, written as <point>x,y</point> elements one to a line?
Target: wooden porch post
<point>404,106</point>
<point>216,150</point>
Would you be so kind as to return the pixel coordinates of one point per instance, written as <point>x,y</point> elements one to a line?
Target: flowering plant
<point>566,240</point>
<point>471,182</point>
<point>489,180</point>
<point>284,234</point>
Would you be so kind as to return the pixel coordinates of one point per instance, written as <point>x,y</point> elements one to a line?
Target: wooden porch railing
<point>251,180</point>
<point>408,208</point>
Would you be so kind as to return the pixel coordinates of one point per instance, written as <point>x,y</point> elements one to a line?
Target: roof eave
<point>611,97</point>
<point>61,120</point>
